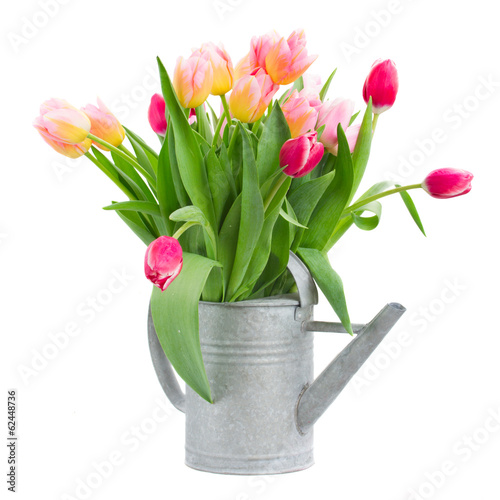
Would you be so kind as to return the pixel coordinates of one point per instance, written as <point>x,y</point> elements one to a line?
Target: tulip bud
<point>163,261</point>
<point>381,85</point>
<point>156,115</point>
<point>299,114</point>
<point>448,183</point>
<point>60,122</point>
<point>104,124</point>
<point>222,67</point>
<point>301,155</point>
<point>251,96</point>
<point>331,113</point>
<point>287,60</point>
<point>193,79</point>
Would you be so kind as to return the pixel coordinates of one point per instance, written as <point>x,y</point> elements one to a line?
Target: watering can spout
<point>317,397</point>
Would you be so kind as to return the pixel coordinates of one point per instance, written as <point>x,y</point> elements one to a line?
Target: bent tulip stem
<point>125,156</point>
<point>183,229</point>
<point>273,192</point>
<point>376,197</point>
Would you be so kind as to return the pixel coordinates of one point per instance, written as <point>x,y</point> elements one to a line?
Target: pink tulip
<point>287,60</point>
<point>193,79</point>
<point>222,66</point>
<point>251,96</point>
<point>381,85</point>
<point>331,113</point>
<point>301,155</point>
<point>156,115</point>
<point>300,115</point>
<point>192,116</point>
<point>163,261</point>
<point>61,122</point>
<point>104,124</point>
<point>448,183</point>
<point>351,134</point>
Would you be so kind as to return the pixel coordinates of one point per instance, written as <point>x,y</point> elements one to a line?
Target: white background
<point>427,395</point>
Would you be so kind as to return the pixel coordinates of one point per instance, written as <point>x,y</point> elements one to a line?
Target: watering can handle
<point>308,296</point>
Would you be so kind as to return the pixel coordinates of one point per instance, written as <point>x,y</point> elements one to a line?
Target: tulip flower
<point>163,261</point>
<point>156,115</point>
<point>381,85</point>
<point>69,150</point>
<point>287,60</point>
<point>256,57</point>
<point>193,79</point>
<point>62,123</point>
<point>448,183</point>
<point>104,124</point>
<point>222,67</point>
<point>301,155</point>
<point>300,115</point>
<point>251,95</point>
<point>331,113</point>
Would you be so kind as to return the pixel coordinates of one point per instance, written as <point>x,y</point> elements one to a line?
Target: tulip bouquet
<point>231,193</point>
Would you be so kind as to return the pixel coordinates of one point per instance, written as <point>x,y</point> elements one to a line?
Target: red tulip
<point>448,183</point>
<point>156,115</point>
<point>301,155</point>
<point>163,261</point>
<point>381,85</point>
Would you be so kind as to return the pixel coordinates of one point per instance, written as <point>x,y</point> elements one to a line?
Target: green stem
<point>256,125</point>
<point>273,192</point>
<point>114,179</point>
<point>226,109</point>
<point>376,197</point>
<point>217,130</point>
<point>125,156</point>
<point>126,151</point>
<point>183,229</point>
<point>236,131</point>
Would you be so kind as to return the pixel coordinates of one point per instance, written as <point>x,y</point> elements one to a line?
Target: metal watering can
<point>258,356</point>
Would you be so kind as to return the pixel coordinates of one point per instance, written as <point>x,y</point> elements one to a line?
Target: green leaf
<point>196,216</point>
<point>334,200</point>
<point>204,128</point>
<point>252,217</point>
<point>291,219</point>
<point>346,222</point>
<point>368,223</point>
<point>328,281</point>
<point>410,205</point>
<point>136,206</point>
<point>143,158</point>
<point>190,160</point>
<point>353,117</point>
<point>219,184</point>
<point>361,151</point>
<point>298,84</point>
<point>326,86</point>
<point>149,150</point>
<point>179,188</point>
<point>276,132</point>
<point>136,224</point>
<point>175,316</point>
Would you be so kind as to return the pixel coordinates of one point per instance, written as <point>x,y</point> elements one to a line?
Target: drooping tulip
<point>156,115</point>
<point>104,124</point>
<point>448,183</point>
<point>59,121</point>
<point>381,85</point>
<point>299,114</point>
<point>287,60</point>
<point>251,95</point>
<point>222,67</point>
<point>193,79</point>
<point>331,113</point>
<point>163,261</point>
<point>301,155</point>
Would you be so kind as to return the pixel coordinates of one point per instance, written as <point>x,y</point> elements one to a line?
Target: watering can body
<point>258,357</point>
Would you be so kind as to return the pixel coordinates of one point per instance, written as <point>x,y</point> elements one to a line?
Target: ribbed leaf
<point>328,281</point>
<point>175,316</point>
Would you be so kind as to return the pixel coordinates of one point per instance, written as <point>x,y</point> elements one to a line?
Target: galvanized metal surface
<point>258,356</point>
